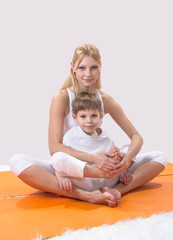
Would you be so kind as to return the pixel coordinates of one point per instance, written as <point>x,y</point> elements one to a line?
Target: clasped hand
<point>112,161</point>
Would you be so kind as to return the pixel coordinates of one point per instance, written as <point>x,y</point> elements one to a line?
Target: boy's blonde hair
<point>81,51</point>
<point>86,101</point>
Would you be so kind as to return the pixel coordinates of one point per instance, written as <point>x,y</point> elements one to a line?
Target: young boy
<point>86,137</point>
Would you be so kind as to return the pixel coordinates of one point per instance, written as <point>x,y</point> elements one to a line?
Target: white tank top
<point>68,120</point>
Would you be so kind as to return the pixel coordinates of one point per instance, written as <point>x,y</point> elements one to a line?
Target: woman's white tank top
<point>68,120</point>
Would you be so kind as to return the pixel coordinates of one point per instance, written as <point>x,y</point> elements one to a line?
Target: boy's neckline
<point>98,131</point>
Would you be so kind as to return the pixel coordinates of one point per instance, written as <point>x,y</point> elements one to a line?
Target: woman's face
<point>87,72</point>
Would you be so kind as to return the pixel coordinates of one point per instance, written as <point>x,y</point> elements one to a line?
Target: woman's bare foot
<point>103,198</point>
<point>113,191</point>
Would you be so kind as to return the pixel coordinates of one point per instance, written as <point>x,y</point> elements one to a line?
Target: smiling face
<point>87,72</point>
<point>88,120</point>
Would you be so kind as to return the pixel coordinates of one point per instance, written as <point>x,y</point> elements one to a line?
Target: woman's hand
<point>123,165</point>
<point>105,161</point>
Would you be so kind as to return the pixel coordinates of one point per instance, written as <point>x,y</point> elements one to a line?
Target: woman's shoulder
<point>61,94</point>
<point>106,97</point>
<point>61,99</point>
<point>108,101</point>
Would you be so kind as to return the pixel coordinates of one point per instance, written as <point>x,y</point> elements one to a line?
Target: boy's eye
<point>94,115</point>
<point>83,116</point>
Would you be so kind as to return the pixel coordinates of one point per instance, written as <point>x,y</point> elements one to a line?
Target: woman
<point>85,77</point>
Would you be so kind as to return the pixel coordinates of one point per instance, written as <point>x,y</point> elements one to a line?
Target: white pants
<point>19,162</point>
<point>73,168</point>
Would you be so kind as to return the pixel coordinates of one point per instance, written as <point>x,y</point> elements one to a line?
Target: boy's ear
<point>101,115</point>
<point>74,117</point>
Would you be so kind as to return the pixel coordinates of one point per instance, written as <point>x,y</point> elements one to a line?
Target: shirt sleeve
<point>67,138</point>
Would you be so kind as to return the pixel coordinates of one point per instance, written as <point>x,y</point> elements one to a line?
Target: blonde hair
<point>81,51</point>
<point>86,101</point>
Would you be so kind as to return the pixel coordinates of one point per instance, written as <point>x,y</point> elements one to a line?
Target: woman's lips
<point>87,80</point>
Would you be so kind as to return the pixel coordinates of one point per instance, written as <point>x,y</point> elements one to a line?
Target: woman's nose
<point>87,72</point>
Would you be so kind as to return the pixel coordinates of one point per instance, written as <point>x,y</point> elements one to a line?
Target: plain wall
<point>37,42</point>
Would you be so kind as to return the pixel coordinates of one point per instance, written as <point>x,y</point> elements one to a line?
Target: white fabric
<point>91,184</point>
<point>19,162</point>
<point>69,121</point>
<point>77,139</point>
<point>71,167</point>
<point>67,165</point>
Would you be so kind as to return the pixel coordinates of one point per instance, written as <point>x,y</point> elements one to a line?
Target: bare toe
<point>109,199</point>
<point>103,198</point>
<point>116,194</point>
<point>113,191</point>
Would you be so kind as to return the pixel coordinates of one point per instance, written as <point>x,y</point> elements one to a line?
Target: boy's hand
<point>65,184</point>
<point>126,177</point>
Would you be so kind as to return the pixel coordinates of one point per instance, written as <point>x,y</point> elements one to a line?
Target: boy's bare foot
<point>103,198</point>
<point>113,191</point>
<point>115,150</point>
<point>93,171</point>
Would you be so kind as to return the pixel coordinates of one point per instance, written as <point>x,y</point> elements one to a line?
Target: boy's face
<point>88,120</point>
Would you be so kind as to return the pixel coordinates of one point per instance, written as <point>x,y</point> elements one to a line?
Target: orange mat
<point>34,213</point>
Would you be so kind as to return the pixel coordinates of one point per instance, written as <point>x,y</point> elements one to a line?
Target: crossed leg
<point>40,179</point>
<point>37,177</point>
<point>141,175</point>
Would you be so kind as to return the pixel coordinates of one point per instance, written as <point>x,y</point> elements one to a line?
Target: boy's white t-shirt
<point>77,139</point>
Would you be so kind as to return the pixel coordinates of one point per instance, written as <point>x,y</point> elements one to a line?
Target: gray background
<point>36,46</point>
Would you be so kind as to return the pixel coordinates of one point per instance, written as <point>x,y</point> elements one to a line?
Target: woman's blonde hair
<point>81,51</point>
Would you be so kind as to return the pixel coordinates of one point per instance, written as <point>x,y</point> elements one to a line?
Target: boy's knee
<point>58,156</point>
<point>57,159</point>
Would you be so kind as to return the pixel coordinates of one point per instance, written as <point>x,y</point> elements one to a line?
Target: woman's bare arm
<point>58,110</point>
<point>118,115</point>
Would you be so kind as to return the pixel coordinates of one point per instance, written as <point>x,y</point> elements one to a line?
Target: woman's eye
<point>94,67</point>
<point>82,68</point>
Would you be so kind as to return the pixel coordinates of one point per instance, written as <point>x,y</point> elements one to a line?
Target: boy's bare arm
<point>126,177</point>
